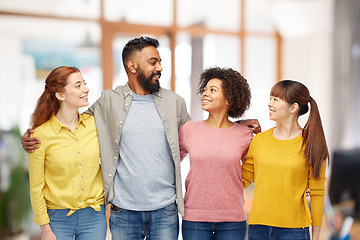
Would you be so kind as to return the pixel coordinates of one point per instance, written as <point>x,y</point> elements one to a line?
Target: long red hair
<point>316,150</point>
<point>47,104</point>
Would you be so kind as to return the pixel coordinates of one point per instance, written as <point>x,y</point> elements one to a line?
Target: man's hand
<point>28,143</point>
<point>253,124</point>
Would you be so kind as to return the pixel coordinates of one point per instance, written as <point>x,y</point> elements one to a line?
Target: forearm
<point>47,233</point>
<point>45,228</point>
<point>317,193</point>
<point>247,174</point>
<point>315,235</point>
<point>37,183</point>
<point>247,177</point>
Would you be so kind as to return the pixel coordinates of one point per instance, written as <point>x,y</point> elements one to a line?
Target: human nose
<point>204,93</point>
<point>159,67</point>
<point>270,103</point>
<point>86,89</point>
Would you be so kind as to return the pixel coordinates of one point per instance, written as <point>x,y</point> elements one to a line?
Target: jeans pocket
<point>170,209</point>
<point>116,210</point>
<point>101,211</point>
<point>52,212</point>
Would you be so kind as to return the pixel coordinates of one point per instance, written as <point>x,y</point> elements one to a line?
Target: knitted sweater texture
<point>281,179</point>
<point>214,191</point>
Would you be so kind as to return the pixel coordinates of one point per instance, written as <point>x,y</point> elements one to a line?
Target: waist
<point>167,206</point>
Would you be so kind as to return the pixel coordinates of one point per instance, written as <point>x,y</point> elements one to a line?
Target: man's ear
<point>132,66</point>
<point>60,96</point>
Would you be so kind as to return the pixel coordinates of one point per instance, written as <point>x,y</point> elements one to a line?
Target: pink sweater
<point>214,191</point>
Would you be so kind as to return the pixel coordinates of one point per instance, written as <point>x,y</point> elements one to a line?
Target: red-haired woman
<point>284,162</point>
<point>66,185</point>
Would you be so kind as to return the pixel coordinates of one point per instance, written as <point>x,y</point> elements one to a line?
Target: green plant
<point>15,200</point>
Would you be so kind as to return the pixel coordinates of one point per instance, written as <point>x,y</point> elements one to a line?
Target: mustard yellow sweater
<point>281,179</point>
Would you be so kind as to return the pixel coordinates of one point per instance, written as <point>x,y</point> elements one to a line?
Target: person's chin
<point>156,85</point>
<point>205,107</point>
<point>84,105</point>
<point>155,81</point>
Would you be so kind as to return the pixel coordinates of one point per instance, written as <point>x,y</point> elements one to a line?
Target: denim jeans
<point>84,224</point>
<point>213,230</point>
<point>262,232</point>
<point>161,224</point>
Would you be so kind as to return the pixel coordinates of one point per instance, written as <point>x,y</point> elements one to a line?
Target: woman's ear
<point>294,108</point>
<point>60,96</point>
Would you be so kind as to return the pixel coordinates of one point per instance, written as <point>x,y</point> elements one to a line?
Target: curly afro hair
<point>235,87</point>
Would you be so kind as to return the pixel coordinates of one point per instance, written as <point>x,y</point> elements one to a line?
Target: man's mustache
<point>155,74</point>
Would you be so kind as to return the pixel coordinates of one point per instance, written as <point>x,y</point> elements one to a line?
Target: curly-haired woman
<point>214,203</point>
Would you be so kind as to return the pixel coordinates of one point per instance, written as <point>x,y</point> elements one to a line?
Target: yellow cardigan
<point>281,179</point>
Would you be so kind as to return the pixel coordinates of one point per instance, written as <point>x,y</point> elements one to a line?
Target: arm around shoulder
<point>96,104</point>
<point>183,113</point>
<point>28,142</point>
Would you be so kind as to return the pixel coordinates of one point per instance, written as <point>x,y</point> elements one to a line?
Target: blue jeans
<point>161,224</point>
<point>213,230</point>
<point>84,224</point>
<point>262,232</point>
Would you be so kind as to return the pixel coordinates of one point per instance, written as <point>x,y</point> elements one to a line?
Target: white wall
<point>308,52</point>
<point>309,60</point>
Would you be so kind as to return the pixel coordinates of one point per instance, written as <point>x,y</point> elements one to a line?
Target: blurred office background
<point>316,42</point>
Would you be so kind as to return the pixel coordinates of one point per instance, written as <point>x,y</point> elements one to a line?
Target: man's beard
<point>147,83</point>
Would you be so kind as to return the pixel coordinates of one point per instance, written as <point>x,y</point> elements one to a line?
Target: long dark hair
<point>316,150</point>
<point>47,104</point>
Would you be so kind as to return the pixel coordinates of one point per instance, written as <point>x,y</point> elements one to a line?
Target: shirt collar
<point>157,93</point>
<point>57,126</point>
<point>82,118</point>
<point>128,91</point>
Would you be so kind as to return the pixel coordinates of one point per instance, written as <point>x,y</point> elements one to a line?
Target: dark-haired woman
<point>284,162</point>
<point>65,176</point>
<point>214,202</point>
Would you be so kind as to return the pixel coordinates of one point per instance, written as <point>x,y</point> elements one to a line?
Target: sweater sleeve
<point>250,137</point>
<point>248,166</point>
<point>37,182</point>
<point>182,143</point>
<point>317,192</point>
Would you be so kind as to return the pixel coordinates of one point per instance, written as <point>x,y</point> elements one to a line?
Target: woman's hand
<point>47,233</point>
